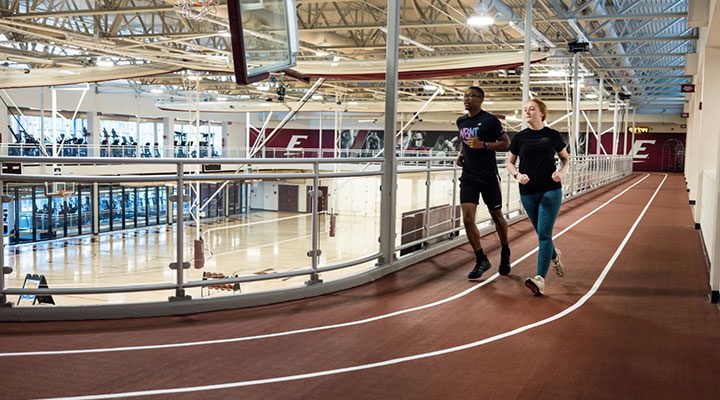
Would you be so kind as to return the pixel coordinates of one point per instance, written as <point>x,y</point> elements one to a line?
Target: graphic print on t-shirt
<point>479,163</point>
<point>467,133</point>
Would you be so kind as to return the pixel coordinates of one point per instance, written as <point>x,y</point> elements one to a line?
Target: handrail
<point>189,284</point>
<point>586,173</point>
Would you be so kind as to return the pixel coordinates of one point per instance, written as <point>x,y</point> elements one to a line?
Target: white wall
<point>263,196</point>
<point>703,160</point>
<point>236,137</point>
<point>709,210</point>
<point>360,196</point>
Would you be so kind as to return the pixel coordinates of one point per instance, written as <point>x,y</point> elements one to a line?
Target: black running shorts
<point>471,190</point>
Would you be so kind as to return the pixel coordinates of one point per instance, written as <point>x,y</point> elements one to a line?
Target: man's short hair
<point>479,90</point>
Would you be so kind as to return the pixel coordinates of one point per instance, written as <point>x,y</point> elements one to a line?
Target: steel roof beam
<point>94,12</point>
<point>631,39</point>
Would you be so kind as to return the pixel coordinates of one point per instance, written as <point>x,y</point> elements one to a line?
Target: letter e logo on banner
<point>639,146</point>
<point>294,143</point>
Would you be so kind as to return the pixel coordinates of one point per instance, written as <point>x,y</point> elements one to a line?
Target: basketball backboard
<point>264,37</point>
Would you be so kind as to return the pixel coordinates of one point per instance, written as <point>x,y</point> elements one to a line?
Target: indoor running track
<point>630,320</point>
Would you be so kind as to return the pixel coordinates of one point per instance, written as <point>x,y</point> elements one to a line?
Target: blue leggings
<point>542,209</point>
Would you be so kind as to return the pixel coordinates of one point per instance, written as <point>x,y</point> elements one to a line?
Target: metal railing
<point>190,151</point>
<point>586,173</point>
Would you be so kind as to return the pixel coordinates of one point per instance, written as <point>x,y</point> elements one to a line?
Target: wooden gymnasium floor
<point>630,320</point>
<point>260,243</point>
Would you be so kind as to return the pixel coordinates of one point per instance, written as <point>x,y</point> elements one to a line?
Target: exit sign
<point>638,129</point>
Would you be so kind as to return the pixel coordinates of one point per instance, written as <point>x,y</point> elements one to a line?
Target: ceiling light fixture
<point>481,17</point>
<point>104,62</point>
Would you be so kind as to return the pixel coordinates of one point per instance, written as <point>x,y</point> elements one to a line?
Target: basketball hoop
<point>66,194</point>
<point>64,189</point>
<point>196,9</point>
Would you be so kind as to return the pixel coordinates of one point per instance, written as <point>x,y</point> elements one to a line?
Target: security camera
<point>27,70</point>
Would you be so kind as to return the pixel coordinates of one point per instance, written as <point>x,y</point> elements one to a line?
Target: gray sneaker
<point>557,264</point>
<point>536,285</point>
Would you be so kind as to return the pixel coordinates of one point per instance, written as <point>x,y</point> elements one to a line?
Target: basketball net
<point>66,194</point>
<point>196,9</point>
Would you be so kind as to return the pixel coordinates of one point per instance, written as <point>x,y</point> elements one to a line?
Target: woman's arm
<point>512,170</point>
<point>558,175</point>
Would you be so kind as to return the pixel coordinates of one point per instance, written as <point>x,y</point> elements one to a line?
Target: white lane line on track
<point>399,360</point>
<point>316,328</point>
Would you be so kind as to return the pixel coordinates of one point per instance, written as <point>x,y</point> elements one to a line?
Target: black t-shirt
<point>536,150</point>
<point>479,164</point>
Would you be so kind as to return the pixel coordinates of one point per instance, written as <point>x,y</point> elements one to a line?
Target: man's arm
<point>502,144</point>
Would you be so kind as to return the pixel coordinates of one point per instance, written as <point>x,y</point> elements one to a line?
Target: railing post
<point>180,265</point>
<point>508,182</point>
<point>388,188</point>
<point>426,227</point>
<point>573,171</point>
<point>95,210</point>
<point>454,200</point>
<point>315,252</point>
<point>3,270</point>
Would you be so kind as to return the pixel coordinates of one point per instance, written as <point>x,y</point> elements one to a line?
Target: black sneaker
<point>480,268</point>
<point>504,268</point>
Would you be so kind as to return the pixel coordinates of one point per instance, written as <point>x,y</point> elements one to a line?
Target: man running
<point>482,135</point>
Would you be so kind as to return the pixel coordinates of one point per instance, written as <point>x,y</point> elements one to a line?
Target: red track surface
<point>647,333</point>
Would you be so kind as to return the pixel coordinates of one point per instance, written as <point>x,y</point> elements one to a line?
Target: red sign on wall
<point>687,88</point>
<point>654,151</point>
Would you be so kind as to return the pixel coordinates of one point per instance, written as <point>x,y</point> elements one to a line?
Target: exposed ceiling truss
<point>637,46</point>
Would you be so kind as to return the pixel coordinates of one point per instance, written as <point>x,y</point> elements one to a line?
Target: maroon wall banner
<point>297,142</point>
<point>651,151</point>
<point>354,142</point>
